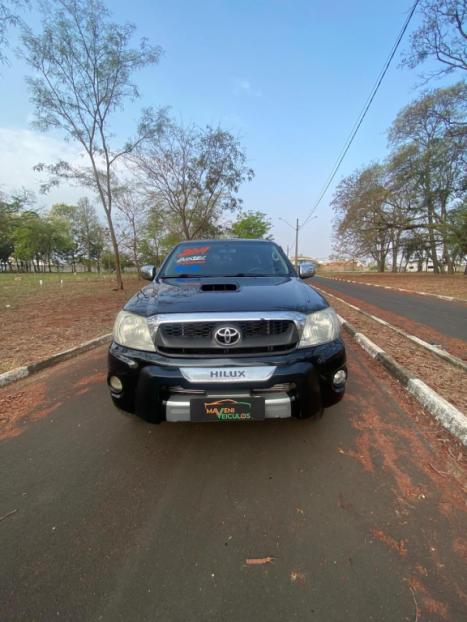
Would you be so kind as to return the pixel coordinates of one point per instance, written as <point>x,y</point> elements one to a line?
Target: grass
<point>18,290</point>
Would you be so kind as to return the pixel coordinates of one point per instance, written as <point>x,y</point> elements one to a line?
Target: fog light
<point>339,378</point>
<point>116,384</point>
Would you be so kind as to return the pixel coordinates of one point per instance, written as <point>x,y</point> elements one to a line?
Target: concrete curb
<point>395,289</point>
<point>448,416</point>
<point>21,372</point>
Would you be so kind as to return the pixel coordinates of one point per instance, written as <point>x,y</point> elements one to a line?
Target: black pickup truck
<point>226,331</point>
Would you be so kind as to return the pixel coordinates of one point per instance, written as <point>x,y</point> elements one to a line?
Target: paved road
<point>447,318</point>
<point>115,519</point>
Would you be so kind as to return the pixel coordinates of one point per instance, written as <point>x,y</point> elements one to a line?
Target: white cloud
<point>21,149</point>
<point>241,86</point>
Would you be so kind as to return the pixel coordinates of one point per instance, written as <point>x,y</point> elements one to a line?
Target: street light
<point>297,228</point>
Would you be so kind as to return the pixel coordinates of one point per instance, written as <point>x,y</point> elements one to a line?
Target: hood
<point>246,294</point>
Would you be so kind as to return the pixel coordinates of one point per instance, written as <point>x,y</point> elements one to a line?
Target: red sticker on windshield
<point>200,250</point>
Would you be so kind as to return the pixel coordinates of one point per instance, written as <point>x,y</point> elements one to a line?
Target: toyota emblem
<point>227,336</point>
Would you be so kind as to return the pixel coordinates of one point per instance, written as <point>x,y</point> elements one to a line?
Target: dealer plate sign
<point>225,409</point>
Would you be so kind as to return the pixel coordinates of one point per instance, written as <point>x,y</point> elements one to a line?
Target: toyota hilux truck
<point>225,331</point>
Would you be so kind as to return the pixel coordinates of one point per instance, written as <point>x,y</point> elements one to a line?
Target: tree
<point>84,67</point>
<point>434,159</point>
<point>131,205</point>
<point>89,231</point>
<point>42,241</point>
<point>442,35</point>
<point>405,215</point>
<point>456,232</point>
<point>66,216</point>
<point>9,18</point>
<point>84,229</point>
<point>11,208</point>
<point>8,211</point>
<point>159,235</point>
<point>195,174</point>
<point>361,224</point>
<point>252,225</point>
<point>414,205</point>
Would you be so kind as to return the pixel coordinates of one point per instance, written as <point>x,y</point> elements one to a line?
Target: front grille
<point>250,328</point>
<point>192,330</point>
<point>197,338</point>
<point>266,328</point>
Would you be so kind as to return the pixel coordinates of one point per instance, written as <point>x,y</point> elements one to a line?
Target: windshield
<point>226,259</point>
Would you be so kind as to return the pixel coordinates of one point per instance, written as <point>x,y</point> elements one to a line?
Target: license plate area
<point>224,409</point>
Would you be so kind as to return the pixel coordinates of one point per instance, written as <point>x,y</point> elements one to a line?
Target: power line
<point>364,111</point>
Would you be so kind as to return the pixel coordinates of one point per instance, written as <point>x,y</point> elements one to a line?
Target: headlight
<point>320,327</point>
<point>132,331</point>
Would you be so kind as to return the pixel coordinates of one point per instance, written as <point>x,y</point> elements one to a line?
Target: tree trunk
<point>135,247</point>
<point>394,256</point>
<point>113,237</point>
<point>106,200</point>
<point>431,237</point>
<point>381,261</point>
<point>447,259</point>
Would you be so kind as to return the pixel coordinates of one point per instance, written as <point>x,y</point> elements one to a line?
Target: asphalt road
<point>106,517</point>
<point>447,318</point>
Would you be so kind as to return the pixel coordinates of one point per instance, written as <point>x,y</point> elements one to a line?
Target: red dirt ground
<point>40,321</point>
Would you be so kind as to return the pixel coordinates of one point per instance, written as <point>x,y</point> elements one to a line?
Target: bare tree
<point>442,36</point>
<point>9,18</point>
<point>361,223</point>
<point>160,234</point>
<point>84,70</point>
<point>195,173</point>
<point>134,211</point>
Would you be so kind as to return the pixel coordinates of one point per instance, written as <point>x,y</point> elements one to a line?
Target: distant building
<point>424,265</point>
<point>342,265</point>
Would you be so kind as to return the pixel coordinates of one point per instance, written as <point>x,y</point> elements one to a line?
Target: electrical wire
<point>363,113</point>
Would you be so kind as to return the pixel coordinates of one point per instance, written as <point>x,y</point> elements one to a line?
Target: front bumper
<point>155,388</point>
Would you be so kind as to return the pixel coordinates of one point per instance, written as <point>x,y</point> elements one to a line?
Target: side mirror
<point>148,272</point>
<point>306,270</point>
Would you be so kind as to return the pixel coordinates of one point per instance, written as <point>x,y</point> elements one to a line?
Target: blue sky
<point>289,77</point>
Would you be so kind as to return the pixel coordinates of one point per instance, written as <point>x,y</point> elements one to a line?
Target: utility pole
<point>297,228</point>
<point>296,243</point>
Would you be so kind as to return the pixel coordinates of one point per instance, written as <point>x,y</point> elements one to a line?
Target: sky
<point>288,77</point>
